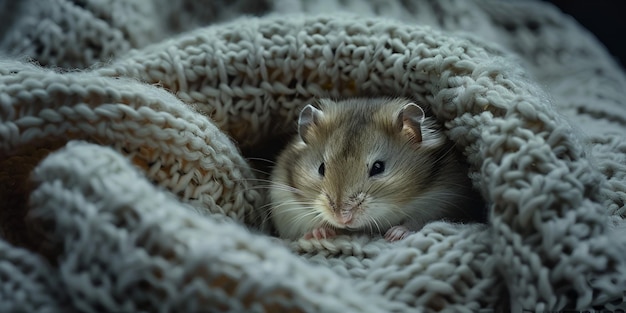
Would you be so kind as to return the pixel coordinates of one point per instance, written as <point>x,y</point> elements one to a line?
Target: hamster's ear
<point>309,116</point>
<point>410,120</point>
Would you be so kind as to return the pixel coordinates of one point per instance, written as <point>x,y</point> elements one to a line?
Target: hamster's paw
<point>320,233</point>
<point>397,233</point>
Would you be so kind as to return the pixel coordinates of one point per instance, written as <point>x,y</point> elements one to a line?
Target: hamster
<point>369,165</point>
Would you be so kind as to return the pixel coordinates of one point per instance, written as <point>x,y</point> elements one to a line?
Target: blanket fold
<point>126,184</point>
<point>167,259</point>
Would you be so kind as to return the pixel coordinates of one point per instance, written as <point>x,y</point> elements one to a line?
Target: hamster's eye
<point>321,169</point>
<point>377,168</point>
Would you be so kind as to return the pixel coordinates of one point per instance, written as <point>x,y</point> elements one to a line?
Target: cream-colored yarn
<point>136,196</point>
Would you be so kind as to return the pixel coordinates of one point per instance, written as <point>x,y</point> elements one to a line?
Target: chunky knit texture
<point>125,184</point>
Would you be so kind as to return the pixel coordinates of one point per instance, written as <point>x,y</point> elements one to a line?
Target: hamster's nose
<point>345,216</point>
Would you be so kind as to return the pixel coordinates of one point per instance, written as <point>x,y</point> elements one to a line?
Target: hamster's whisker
<point>293,202</point>
<point>323,223</point>
<point>308,218</point>
<point>261,180</point>
<point>261,159</point>
<point>265,217</point>
<point>404,213</point>
<point>295,206</point>
<point>380,192</point>
<point>422,212</point>
<point>280,186</point>
<point>260,171</point>
<point>309,214</point>
<point>303,212</point>
<point>369,225</point>
<point>449,151</point>
<point>258,187</point>
<point>270,185</point>
<point>265,206</point>
<point>388,224</point>
<point>437,198</point>
<point>397,209</point>
<point>376,224</point>
<point>276,186</point>
<point>297,218</point>
<point>281,203</point>
<point>283,188</point>
<point>253,170</point>
<point>255,180</point>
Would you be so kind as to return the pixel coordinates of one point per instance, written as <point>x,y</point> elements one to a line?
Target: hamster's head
<point>359,165</point>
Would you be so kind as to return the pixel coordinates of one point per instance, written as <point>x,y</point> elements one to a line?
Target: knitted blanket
<point>131,134</point>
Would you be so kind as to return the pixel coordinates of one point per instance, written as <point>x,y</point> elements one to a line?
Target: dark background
<point>604,18</point>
